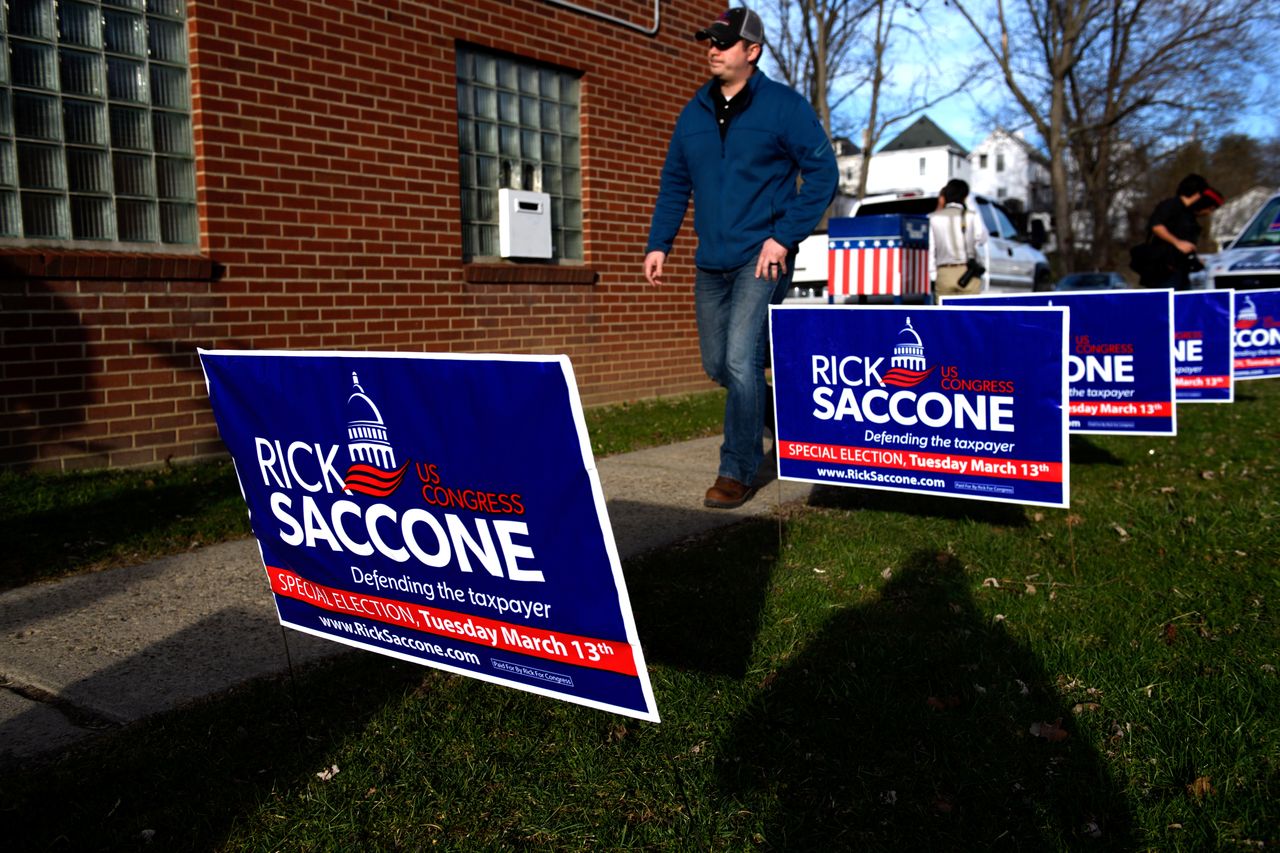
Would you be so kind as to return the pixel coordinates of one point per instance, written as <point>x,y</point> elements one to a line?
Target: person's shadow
<point>907,725</point>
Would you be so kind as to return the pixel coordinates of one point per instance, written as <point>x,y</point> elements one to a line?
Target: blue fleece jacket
<point>744,187</point>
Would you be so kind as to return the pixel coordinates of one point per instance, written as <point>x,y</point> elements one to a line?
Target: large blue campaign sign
<point>437,508</point>
<point>1120,358</point>
<point>1257,334</point>
<point>1202,346</point>
<point>965,402</point>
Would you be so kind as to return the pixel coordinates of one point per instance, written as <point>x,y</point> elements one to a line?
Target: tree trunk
<point>1062,206</point>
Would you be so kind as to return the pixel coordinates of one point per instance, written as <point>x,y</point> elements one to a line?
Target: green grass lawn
<point>869,671</point>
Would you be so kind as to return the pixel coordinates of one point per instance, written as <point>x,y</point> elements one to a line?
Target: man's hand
<point>772,262</point>
<point>653,267</point>
<point>1183,246</point>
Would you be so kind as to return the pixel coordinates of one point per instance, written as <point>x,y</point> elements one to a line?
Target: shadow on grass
<point>181,780</point>
<point>922,506</point>
<point>1085,452</point>
<point>698,615</point>
<point>906,725</point>
<point>157,513</point>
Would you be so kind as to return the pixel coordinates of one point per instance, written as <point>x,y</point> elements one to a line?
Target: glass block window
<point>95,122</point>
<point>518,128</point>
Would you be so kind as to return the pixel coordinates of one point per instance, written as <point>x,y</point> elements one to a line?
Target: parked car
<point>1092,281</point>
<point>1252,259</point>
<point>1013,260</point>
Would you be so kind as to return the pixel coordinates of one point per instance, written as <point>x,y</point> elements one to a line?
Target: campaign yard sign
<point>1257,334</point>
<point>1203,355</point>
<point>965,402</point>
<point>441,509</point>
<point>1119,359</point>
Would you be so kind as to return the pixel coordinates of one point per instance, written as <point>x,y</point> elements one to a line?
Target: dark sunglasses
<point>723,44</point>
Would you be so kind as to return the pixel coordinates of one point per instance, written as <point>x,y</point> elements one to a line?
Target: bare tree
<point>1035,73</point>
<point>1094,76</point>
<point>834,50</point>
<point>1153,74</point>
<point>813,49</point>
<point>882,31</point>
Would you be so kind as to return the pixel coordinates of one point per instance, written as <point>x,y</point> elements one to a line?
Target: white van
<point>1252,259</point>
<point>1014,261</point>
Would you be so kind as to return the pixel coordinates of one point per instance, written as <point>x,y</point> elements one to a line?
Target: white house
<point>849,161</point>
<point>922,157</point>
<point>1007,168</point>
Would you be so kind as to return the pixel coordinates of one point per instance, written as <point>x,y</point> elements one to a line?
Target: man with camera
<point>955,233</point>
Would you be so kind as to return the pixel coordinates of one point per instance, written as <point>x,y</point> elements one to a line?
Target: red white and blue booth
<point>884,255</point>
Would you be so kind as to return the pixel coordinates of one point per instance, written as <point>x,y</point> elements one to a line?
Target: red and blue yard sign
<point>1119,359</point>
<point>1202,346</point>
<point>966,402</point>
<point>442,509</point>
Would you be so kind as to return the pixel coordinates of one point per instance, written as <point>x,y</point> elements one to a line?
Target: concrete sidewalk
<point>95,652</point>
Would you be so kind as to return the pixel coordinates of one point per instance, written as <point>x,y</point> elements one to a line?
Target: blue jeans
<point>733,315</point>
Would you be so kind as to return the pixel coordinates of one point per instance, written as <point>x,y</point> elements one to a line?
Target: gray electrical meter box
<point>524,224</point>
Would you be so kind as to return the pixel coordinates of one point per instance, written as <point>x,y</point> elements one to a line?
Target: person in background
<point>737,150</point>
<point>1172,232</point>
<point>955,235</point>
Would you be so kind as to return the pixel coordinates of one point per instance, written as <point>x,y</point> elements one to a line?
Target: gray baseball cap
<point>734,24</point>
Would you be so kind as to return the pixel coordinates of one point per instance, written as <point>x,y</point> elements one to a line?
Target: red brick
<point>327,174</point>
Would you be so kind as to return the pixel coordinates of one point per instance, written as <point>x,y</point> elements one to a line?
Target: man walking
<point>738,148</point>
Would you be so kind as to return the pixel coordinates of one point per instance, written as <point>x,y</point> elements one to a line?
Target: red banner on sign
<point>610,655</point>
<point>914,460</point>
<point>1127,409</point>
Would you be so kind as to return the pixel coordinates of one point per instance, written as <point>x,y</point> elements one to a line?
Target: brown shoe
<point>728,493</point>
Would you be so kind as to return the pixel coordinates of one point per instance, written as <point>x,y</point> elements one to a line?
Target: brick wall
<point>327,173</point>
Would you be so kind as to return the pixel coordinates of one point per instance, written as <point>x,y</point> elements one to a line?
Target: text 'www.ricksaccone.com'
<point>864,476</point>
<point>377,632</point>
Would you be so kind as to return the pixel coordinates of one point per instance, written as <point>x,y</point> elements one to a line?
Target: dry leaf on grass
<point>1052,732</point>
<point>328,773</point>
<point>1123,534</point>
<point>1200,788</point>
<point>1084,707</point>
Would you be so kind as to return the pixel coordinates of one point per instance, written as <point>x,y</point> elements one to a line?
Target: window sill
<point>89,264</point>
<point>527,274</point>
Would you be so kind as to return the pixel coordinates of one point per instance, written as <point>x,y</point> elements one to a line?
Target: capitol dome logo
<point>907,367</point>
<point>373,468</point>
<point>1247,316</point>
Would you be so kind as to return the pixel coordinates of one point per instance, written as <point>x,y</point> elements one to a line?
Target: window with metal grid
<point>518,128</point>
<point>95,123</point>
